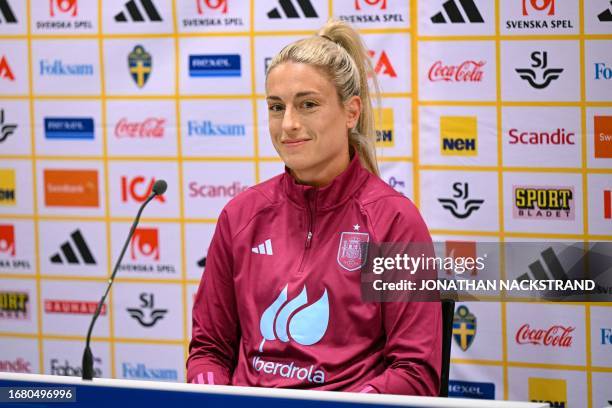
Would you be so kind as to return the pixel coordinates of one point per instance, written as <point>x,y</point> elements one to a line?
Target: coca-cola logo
<point>555,336</point>
<point>467,71</point>
<point>148,128</point>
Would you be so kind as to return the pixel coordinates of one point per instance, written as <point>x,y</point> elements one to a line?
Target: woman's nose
<point>290,120</point>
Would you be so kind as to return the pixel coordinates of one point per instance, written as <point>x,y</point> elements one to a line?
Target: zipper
<point>310,232</point>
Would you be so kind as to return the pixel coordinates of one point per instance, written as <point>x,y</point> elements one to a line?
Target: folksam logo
<point>209,128</point>
<point>69,128</point>
<point>306,327</point>
<point>226,65</point>
<point>60,68</point>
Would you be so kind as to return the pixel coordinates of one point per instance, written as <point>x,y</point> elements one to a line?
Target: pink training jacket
<point>279,304</point>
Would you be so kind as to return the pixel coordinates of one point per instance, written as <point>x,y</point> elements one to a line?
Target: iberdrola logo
<point>306,327</point>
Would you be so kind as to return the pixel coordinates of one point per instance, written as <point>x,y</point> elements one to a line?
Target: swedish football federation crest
<point>464,327</point>
<point>350,254</point>
<point>140,64</point>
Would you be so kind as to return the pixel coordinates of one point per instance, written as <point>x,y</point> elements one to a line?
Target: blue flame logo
<point>305,327</point>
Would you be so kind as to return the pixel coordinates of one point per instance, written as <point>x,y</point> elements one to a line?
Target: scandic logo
<point>383,65</point>
<point>78,307</point>
<point>467,71</point>
<point>7,240</point>
<point>153,128</point>
<point>554,336</point>
<point>71,188</point>
<point>543,202</point>
<point>550,390</point>
<point>220,65</point>
<point>458,135</point>
<point>217,5</point>
<point>69,128</point>
<point>66,7</point>
<point>19,365</point>
<point>215,191</point>
<point>558,136</point>
<point>384,125</point>
<point>131,189</point>
<point>603,137</point>
<point>145,244</point>
<point>8,187</point>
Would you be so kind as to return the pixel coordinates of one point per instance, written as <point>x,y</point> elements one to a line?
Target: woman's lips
<point>294,143</point>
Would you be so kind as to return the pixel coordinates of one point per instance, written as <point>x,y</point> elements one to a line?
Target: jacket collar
<point>334,194</point>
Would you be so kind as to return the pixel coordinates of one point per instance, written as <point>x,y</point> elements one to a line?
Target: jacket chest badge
<point>353,249</point>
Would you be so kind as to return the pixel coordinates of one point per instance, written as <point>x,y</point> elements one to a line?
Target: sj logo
<point>306,327</point>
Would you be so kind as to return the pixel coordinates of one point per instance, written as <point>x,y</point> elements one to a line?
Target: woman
<point>280,302</point>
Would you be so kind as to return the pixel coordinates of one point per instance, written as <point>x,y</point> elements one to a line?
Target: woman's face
<point>308,123</point>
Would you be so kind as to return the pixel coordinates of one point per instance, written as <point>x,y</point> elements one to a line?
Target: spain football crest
<point>352,252</point>
<point>464,327</point>
<point>140,64</point>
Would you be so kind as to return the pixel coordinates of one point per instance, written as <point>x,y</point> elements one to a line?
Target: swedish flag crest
<point>140,64</point>
<point>464,327</point>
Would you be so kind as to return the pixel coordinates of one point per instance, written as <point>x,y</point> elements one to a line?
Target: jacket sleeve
<point>413,330</point>
<point>215,334</point>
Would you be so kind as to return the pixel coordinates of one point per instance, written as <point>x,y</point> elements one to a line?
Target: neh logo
<point>550,390</point>
<point>63,7</point>
<point>19,365</point>
<point>6,129</point>
<point>607,198</point>
<point>537,269</point>
<point>137,14</point>
<point>7,187</point>
<point>602,71</point>
<point>555,336</point>
<point>384,125</point>
<point>464,327</point>
<point>69,128</point>
<point>131,189</point>
<point>306,327</point>
<point>145,244</point>
<point>461,195</point>
<point>5,70</point>
<point>7,240</point>
<point>152,315</point>
<point>458,135</point>
<point>226,65</point>
<point>603,137</point>
<point>383,64</point>
<point>470,389</point>
<point>150,128</point>
<point>540,63</point>
<point>543,203</point>
<point>353,249</point>
<point>140,64</point>
<point>71,188</point>
<point>209,128</point>
<point>546,6</point>
<point>606,16</point>
<point>78,307</point>
<point>606,336</point>
<point>461,249</point>
<point>467,71</point>
<point>453,12</point>
<point>14,305</point>
<point>67,252</point>
<point>381,4</point>
<point>9,16</point>
<point>290,11</point>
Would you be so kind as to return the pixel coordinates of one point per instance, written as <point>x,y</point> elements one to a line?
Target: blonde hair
<point>339,51</point>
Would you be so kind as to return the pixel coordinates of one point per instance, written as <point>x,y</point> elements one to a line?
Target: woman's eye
<point>275,108</point>
<point>309,104</point>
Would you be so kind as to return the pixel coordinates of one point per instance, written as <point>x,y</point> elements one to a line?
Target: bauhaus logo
<point>8,192</point>
<point>219,65</point>
<point>69,128</point>
<point>74,251</point>
<point>471,389</point>
<point>215,191</point>
<point>138,11</point>
<point>18,365</point>
<point>385,128</point>
<point>539,76</point>
<point>76,307</point>
<point>149,128</point>
<point>558,136</point>
<point>65,368</point>
<point>139,371</point>
<point>464,327</point>
<point>544,202</point>
<point>603,137</point>
<point>382,64</point>
<point>137,189</point>
<point>145,244</point>
<point>6,13</point>
<point>458,135</point>
<point>550,390</point>
<point>212,128</point>
<point>6,128</point>
<point>14,305</point>
<point>140,65</point>
<point>7,240</point>
<point>454,11</point>
<point>5,70</point>
<point>466,71</point>
<point>71,188</point>
<point>146,314</point>
<point>293,9</point>
<point>461,205</point>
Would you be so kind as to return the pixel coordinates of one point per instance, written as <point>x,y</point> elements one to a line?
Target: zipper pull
<point>308,239</point>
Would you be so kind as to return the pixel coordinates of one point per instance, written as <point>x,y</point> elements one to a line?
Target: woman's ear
<point>353,110</point>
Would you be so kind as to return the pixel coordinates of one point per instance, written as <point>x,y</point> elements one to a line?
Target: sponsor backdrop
<point>496,120</point>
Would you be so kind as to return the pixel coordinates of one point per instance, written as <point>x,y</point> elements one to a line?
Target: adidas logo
<point>6,12</point>
<point>263,249</point>
<point>537,269</point>
<point>136,13</point>
<point>69,256</point>
<point>454,13</point>
<point>605,15</point>
<point>290,10</point>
